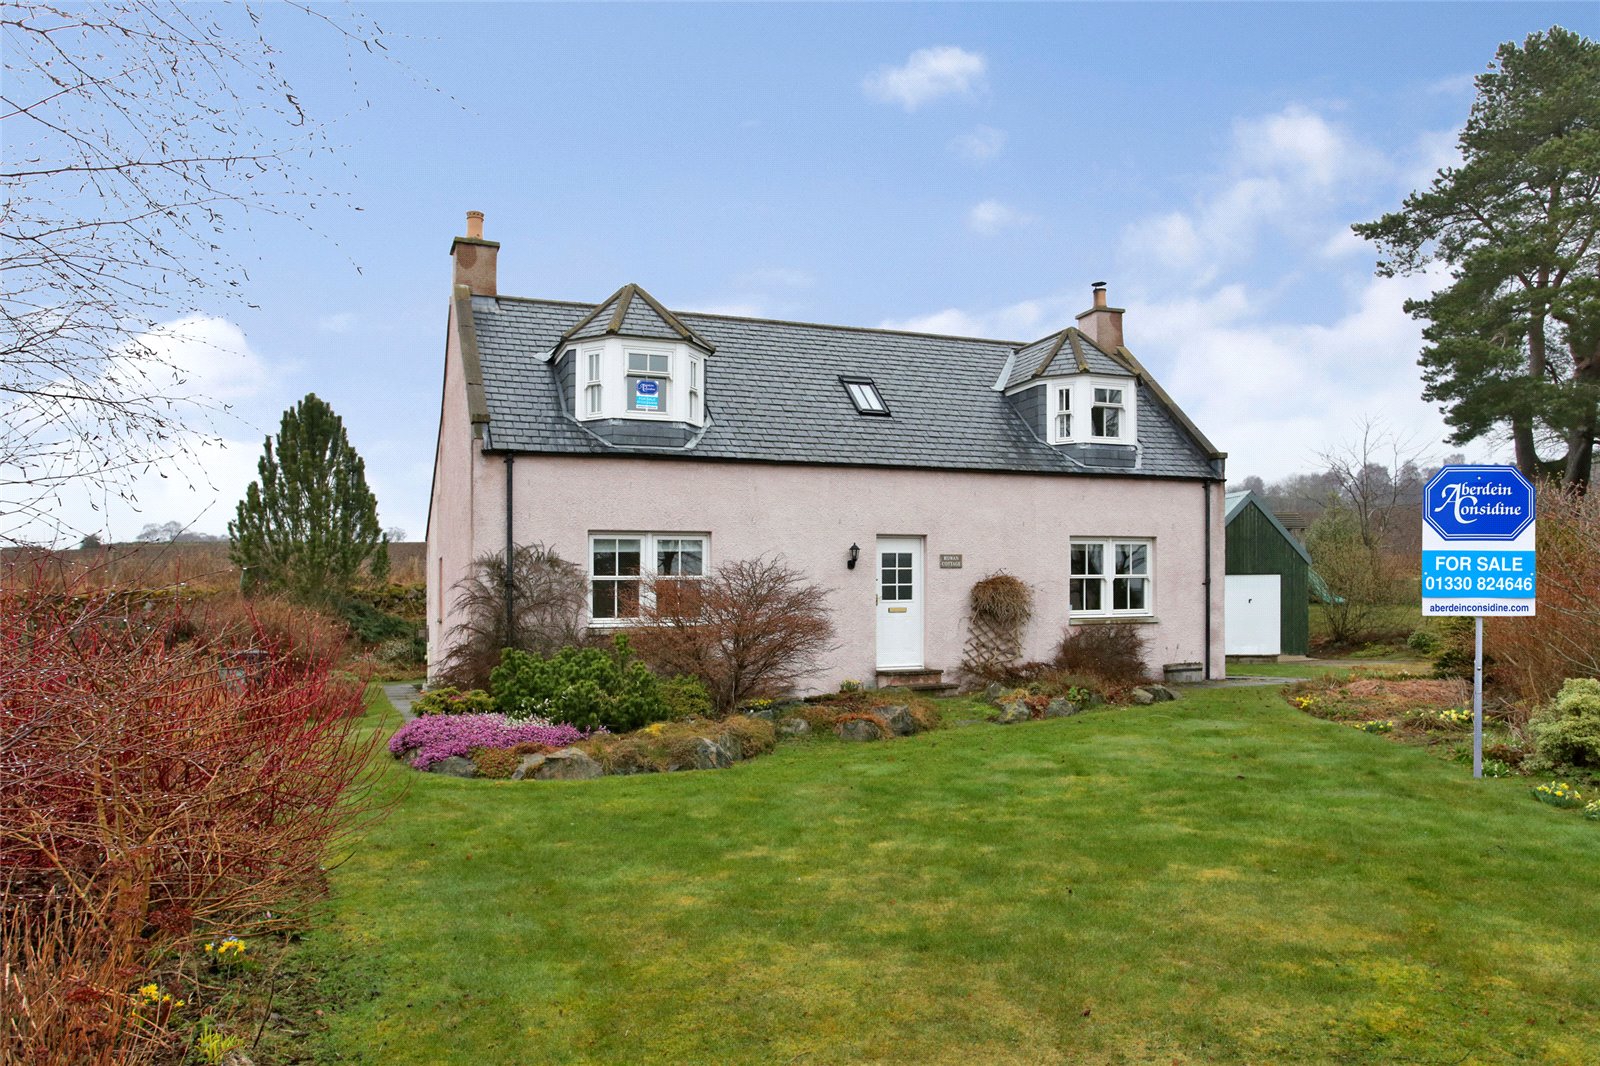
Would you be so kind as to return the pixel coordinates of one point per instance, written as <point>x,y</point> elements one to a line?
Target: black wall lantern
<point>855,553</point>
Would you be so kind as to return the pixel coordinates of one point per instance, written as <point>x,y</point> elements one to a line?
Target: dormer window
<point>1105,416</point>
<point>696,404</point>
<point>864,394</point>
<point>1107,403</point>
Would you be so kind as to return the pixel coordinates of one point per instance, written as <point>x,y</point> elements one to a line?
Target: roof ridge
<point>841,327</point>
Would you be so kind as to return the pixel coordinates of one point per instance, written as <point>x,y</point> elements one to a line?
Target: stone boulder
<point>992,692</point>
<point>1141,697</point>
<point>730,743</point>
<point>858,729</point>
<point>454,766</point>
<point>901,724</point>
<point>1012,712</point>
<point>766,714</point>
<point>709,755</point>
<point>1060,708</point>
<point>794,727</point>
<point>568,764</point>
<point>1161,692</point>
<point>528,765</point>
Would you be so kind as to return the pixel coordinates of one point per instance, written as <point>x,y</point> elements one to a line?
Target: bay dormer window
<point>1086,410</point>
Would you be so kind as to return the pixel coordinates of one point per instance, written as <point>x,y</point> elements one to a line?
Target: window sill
<point>613,623</point>
<point>1112,619</point>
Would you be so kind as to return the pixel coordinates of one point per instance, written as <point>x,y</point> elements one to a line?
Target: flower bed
<point>427,740</point>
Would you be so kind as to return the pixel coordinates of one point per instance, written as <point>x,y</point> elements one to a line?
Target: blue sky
<point>957,168</point>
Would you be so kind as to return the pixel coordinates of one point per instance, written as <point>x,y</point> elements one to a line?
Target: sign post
<point>1478,557</point>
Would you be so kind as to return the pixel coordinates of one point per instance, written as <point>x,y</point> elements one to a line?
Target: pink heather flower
<point>434,737</point>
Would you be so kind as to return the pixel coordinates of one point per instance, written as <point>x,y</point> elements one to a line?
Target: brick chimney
<point>1103,324</point>
<point>474,258</point>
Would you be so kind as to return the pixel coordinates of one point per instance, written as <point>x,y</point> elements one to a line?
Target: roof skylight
<point>864,394</point>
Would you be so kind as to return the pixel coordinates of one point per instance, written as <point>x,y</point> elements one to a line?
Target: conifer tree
<point>1513,340</point>
<point>310,522</point>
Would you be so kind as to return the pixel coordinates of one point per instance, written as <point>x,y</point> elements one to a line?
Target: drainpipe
<point>511,551</point>
<point>1205,518</point>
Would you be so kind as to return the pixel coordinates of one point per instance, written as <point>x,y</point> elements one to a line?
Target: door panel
<point>1253,621</point>
<point>900,602</point>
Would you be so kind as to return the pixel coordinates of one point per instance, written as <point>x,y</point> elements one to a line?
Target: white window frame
<point>594,365</point>
<point>696,402</point>
<point>1124,409</point>
<point>1109,579</point>
<point>649,548</point>
<point>1078,392</point>
<point>1061,411</point>
<point>629,375</point>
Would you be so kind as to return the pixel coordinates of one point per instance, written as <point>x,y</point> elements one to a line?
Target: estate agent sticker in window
<point>647,395</point>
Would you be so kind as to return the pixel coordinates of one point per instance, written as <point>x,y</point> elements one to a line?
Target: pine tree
<point>310,522</point>
<point>1514,338</point>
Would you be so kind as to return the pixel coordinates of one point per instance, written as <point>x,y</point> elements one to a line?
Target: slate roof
<point>1069,351</point>
<point>632,312</point>
<point>773,395</point>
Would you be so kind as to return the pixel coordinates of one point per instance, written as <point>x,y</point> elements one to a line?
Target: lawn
<point>1216,880</point>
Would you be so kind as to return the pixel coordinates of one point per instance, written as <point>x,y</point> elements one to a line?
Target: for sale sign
<point>1477,542</point>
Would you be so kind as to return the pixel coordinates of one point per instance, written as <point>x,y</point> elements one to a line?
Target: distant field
<point>1218,880</point>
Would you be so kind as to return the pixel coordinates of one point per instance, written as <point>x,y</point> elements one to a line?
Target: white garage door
<point>1254,620</point>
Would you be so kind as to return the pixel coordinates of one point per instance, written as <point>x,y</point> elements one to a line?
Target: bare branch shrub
<point>1534,655</point>
<point>1363,579</point>
<point>750,630</point>
<point>1113,654</point>
<point>548,596</point>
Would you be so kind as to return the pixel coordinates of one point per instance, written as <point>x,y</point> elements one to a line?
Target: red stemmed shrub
<point>154,793</point>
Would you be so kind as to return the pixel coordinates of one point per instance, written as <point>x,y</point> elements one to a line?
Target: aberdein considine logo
<point>1478,503</point>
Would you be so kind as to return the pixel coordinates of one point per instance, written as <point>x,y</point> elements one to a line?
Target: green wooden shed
<point>1269,582</point>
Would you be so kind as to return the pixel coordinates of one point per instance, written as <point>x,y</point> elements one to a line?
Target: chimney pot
<point>1099,294</point>
<point>475,225</point>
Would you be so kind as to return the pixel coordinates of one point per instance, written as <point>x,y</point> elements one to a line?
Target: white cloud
<point>210,360</point>
<point>928,74</point>
<point>1274,393</point>
<point>1291,175</point>
<point>1019,321</point>
<point>1256,306</point>
<point>778,278</point>
<point>979,144</point>
<point>991,216</point>
<point>339,324</point>
<point>1432,152</point>
<point>1302,146</point>
<point>1454,85</point>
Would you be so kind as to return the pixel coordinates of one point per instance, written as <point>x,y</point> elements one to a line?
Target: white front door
<point>899,602</point>
<point>1253,622</point>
